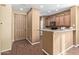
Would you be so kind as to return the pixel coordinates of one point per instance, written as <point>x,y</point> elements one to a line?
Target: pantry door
<point>19,26</point>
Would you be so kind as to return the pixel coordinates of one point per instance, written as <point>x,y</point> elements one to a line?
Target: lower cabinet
<point>56,42</point>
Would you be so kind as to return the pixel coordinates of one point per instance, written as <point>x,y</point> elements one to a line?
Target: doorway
<point>19,27</point>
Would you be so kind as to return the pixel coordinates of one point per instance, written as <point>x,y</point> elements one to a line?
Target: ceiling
<point>45,9</point>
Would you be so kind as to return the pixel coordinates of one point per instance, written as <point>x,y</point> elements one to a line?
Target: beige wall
<point>73,16</point>
<point>5,28</point>
<point>29,25</point>
<point>33,25</point>
<point>77,26</point>
<point>75,21</point>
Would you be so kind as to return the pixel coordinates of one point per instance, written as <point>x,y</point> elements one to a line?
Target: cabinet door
<point>47,22</point>
<point>52,18</point>
<point>67,20</point>
<point>57,21</point>
<point>61,20</point>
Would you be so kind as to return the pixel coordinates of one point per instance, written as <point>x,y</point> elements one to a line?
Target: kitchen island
<point>57,41</point>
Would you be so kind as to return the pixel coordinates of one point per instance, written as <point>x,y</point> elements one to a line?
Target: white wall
<point>6,27</point>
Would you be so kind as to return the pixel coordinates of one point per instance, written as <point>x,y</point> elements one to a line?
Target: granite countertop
<point>58,30</point>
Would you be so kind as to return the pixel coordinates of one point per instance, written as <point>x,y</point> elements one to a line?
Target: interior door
<point>19,26</point>
<point>5,27</point>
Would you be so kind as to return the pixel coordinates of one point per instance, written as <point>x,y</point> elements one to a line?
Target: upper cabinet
<point>57,19</point>
<point>47,21</point>
<point>67,19</point>
<point>61,19</point>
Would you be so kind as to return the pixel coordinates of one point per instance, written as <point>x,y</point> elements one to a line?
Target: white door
<point>5,27</point>
<point>19,26</point>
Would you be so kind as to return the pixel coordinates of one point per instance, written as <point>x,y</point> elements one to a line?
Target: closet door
<point>19,26</point>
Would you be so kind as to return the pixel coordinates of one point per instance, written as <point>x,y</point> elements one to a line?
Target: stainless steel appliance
<point>53,25</point>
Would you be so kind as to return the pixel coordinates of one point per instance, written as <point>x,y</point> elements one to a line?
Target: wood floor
<point>23,47</point>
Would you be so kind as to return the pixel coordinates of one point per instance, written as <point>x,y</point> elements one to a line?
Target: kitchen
<point>60,32</point>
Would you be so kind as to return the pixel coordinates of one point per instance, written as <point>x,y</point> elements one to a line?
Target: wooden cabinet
<point>33,25</point>
<point>47,21</point>
<point>57,21</point>
<point>67,20</point>
<point>62,20</point>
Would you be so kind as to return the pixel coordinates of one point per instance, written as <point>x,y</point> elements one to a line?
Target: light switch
<point>1,22</point>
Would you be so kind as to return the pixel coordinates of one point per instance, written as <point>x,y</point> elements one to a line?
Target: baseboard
<point>62,53</point>
<point>32,43</point>
<point>19,39</point>
<point>76,45</point>
<point>45,52</point>
<point>5,50</point>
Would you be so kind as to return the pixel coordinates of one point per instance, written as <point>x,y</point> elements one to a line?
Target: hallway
<point>23,47</point>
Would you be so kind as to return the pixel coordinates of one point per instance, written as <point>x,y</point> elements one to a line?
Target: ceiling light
<point>49,11</point>
<point>58,5</point>
<point>56,9</point>
<point>21,9</point>
<point>41,6</point>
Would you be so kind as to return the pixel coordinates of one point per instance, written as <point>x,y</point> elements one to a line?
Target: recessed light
<point>58,5</point>
<point>56,9</point>
<point>49,11</point>
<point>41,6</point>
<point>21,9</point>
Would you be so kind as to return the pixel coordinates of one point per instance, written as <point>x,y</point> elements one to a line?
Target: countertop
<point>58,30</point>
